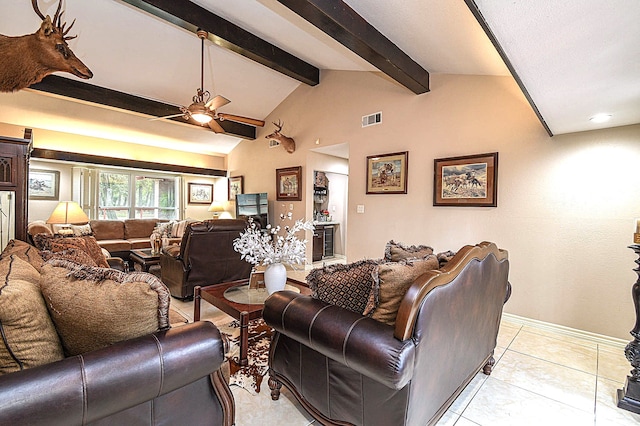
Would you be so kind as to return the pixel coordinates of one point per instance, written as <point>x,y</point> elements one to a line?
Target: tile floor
<point>542,377</point>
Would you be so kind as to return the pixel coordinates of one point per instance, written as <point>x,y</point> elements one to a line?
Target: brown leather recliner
<point>170,377</point>
<point>206,256</point>
<point>345,368</point>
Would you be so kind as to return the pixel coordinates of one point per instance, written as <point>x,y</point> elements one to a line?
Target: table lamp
<point>66,213</point>
<point>217,208</point>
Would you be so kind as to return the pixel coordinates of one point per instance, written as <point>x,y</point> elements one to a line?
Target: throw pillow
<point>87,244</point>
<point>24,251</point>
<point>71,254</point>
<point>352,286</point>
<point>178,228</point>
<point>445,257</point>
<point>38,227</point>
<point>395,279</point>
<point>163,228</point>
<point>95,307</point>
<point>28,337</point>
<point>395,252</point>
<point>81,230</point>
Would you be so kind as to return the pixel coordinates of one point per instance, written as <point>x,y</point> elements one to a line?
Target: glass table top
<point>251,296</point>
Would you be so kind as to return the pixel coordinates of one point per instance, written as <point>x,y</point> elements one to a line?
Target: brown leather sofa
<point>170,377</point>
<point>121,236</point>
<point>345,368</point>
<point>205,256</point>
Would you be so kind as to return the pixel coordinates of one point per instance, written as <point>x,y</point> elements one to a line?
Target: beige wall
<point>566,205</point>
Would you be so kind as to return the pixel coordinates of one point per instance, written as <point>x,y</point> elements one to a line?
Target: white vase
<point>275,277</point>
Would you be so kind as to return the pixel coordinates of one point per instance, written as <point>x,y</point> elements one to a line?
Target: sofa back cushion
<point>395,252</point>
<point>139,228</point>
<point>28,337</point>
<point>96,307</point>
<point>353,286</point>
<point>395,279</point>
<point>107,229</point>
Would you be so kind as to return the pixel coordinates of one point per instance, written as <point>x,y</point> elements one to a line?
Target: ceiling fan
<point>205,110</point>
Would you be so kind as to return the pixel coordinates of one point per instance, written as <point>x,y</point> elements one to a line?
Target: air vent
<point>273,143</point>
<point>370,120</point>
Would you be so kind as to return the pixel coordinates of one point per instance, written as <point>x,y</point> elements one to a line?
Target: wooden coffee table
<point>237,300</point>
<point>144,258</point>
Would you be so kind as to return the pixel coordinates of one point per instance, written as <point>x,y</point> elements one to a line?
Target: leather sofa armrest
<point>361,343</point>
<point>94,385</point>
<point>116,263</point>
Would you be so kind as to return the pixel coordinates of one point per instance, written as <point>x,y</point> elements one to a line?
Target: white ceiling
<point>575,58</point>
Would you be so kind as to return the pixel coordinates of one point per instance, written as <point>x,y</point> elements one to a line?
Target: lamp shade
<point>68,212</point>
<point>216,207</point>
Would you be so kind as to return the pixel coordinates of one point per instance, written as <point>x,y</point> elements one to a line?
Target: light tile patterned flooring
<point>542,377</point>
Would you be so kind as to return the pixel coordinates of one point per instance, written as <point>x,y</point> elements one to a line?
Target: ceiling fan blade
<point>215,126</point>
<point>240,119</point>
<point>167,116</point>
<point>217,102</point>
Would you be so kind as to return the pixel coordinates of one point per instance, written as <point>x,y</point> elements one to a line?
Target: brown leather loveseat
<point>346,368</point>
<point>170,377</point>
<point>205,256</point>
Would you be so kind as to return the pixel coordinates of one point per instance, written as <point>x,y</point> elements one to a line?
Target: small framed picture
<point>387,173</point>
<point>200,193</point>
<point>469,181</point>
<point>44,184</point>
<point>257,279</point>
<point>236,186</point>
<point>289,184</point>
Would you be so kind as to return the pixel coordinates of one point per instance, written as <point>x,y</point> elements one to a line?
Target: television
<point>253,205</point>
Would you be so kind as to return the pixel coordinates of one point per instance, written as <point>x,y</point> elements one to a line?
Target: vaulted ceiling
<point>572,59</point>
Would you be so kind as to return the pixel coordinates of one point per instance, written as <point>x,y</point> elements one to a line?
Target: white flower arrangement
<point>258,247</point>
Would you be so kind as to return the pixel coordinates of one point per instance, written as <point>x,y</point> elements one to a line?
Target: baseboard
<point>567,331</point>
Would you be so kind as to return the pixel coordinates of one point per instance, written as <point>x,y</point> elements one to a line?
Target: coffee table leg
<point>244,337</point>
<point>196,303</point>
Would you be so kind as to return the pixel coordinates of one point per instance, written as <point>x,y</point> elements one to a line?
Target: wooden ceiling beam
<point>103,96</point>
<point>223,33</point>
<point>338,20</point>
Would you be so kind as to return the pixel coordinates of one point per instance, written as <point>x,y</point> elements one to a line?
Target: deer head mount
<point>287,143</point>
<point>26,60</point>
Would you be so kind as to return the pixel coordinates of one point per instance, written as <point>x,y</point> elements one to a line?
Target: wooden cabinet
<point>14,176</point>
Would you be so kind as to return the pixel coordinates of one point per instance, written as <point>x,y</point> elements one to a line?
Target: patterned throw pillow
<point>177,230</point>
<point>395,279</point>
<point>71,254</point>
<point>164,228</point>
<point>27,335</point>
<point>445,257</point>
<point>81,230</point>
<point>95,307</point>
<point>87,244</point>
<point>395,252</point>
<point>353,286</point>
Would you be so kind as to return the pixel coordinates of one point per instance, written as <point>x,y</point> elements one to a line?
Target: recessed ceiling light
<point>600,118</point>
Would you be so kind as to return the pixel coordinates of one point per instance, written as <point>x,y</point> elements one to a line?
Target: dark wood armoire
<point>14,177</point>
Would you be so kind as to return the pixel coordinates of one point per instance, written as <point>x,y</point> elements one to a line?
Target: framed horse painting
<point>469,181</point>
<point>387,173</point>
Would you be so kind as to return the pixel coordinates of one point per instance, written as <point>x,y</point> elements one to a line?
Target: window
<point>123,195</point>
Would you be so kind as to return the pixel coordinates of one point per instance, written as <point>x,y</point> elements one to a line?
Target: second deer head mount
<point>287,143</point>
<point>28,59</point>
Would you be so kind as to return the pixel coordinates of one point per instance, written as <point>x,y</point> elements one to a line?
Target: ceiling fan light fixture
<point>200,113</point>
<point>600,118</point>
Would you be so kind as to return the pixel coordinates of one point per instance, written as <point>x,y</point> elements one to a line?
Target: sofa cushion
<point>60,244</point>
<point>353,286</point>
<point>395,279</point>
<point>107,229</point>
<point>96,307</point>
<point>140,243</point>
<point>114,246</point>
<point>24,251</point>
<point>394,252</point>
<point>28,337</point>
<point>139,228</point>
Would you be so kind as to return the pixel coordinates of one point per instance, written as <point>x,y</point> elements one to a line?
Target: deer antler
<point>278,125</point>
<point>34,3</point>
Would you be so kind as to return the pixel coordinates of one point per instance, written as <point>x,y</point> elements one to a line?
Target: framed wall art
<point>236,186</point>
<point>469,181</point>
<point>200,193</point>
<point>44,184</point>
<point>289,184</point>
<point>387,173</point>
